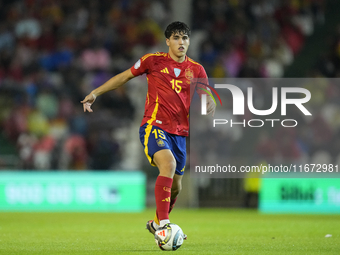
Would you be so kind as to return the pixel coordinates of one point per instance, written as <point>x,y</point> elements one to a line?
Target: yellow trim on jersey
<point>148,131</point>
<point>193,62</point>
<point>147,94</point>
<point>153,54</point>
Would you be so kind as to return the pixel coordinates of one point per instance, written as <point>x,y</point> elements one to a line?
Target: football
<point>169,237</point>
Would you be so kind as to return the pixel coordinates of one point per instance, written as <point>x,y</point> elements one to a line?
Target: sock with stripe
<point>155,219</point>
<point>162,195</point>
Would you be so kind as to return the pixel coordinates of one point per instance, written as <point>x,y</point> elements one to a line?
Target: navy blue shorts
<point>155,139</point>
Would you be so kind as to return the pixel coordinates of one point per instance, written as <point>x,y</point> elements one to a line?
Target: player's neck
<point>177,59</point>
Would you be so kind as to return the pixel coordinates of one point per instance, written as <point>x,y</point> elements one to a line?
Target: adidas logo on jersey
<point>165,70</point>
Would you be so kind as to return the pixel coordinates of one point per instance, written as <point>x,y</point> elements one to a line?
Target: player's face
<point>178,45</point>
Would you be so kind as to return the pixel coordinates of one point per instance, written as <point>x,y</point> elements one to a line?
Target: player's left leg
<point>179,151</point>
<point>175,190</point>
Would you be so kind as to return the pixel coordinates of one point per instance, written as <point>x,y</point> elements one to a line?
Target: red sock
<point>162,195</point>
<point>172,204</point>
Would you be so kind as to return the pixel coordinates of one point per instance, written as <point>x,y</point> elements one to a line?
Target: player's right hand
<point>88,101</point>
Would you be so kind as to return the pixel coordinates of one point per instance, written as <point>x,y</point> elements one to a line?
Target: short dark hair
<point>176,27</point>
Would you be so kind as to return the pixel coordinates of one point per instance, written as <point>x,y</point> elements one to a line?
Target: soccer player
<point>165,124</point>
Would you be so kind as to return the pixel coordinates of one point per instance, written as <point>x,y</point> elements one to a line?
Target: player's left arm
<point>211,106</point>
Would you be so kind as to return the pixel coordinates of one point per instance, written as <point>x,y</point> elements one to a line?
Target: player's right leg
<point>166,164</point>
<point>157,150</point>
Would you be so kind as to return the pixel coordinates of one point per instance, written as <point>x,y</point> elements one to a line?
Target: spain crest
<point>189,74</point>
<point>160,143</point>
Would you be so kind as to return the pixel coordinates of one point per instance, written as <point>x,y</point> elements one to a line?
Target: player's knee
<point>168,167</point>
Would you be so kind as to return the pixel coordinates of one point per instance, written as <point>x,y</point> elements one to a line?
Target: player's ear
<point>167,41</point>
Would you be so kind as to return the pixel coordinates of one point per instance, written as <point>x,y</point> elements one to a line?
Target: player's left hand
<point>211,106</point>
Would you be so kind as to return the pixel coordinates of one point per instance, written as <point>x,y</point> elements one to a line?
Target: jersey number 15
<point>175,85</point>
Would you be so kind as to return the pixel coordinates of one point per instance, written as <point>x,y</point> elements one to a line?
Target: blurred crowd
<point>328,64</point>
<point>53,53</point>
<point>256,38</point>
<point>318,138</point>
<point>245,140</point>
<point>259,39</point>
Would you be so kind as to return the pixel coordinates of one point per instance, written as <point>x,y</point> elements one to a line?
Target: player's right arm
<point>115,82</point>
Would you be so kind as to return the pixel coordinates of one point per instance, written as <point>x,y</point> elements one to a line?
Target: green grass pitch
<point>210,231</point>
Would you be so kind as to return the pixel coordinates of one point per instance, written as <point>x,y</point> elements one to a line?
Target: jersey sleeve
<point>141,66</point>
<point>202,74</point>
<point>202,82</point>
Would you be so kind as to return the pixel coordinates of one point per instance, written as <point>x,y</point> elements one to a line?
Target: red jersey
<point>168,99</point>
